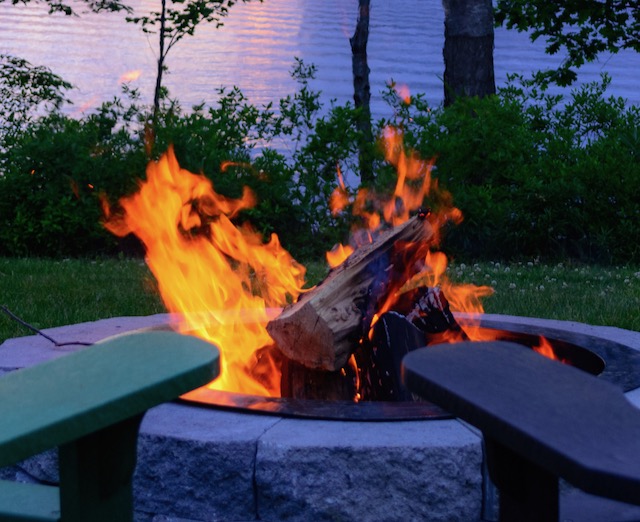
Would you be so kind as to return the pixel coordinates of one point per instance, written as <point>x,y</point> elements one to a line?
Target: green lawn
<point>48,293</point>
<point>590,294</point>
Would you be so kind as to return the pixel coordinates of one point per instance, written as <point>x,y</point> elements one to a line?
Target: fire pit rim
<point>622,367</point>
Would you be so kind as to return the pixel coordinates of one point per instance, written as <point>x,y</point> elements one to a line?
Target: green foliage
<point>96,6</point>
<point>24,90</point>
<point>535,174</point>
<point>582,29</point>
<point>55,172</point>
<point>52,177</point>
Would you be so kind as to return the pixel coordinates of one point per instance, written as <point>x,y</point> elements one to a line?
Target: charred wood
<point>322,328</point>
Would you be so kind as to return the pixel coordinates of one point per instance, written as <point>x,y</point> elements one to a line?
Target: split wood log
<point>322,328</point>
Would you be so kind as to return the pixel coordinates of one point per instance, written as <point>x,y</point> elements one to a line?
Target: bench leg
<point>96,474</point>
<point>528,493</point>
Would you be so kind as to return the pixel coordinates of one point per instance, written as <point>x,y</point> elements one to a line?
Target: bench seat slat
<point>571,423</point>
<point>69,397</point>
<point>34,502</point>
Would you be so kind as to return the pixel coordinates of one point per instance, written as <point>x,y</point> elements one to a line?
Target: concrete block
<point>198,463</point>
<point>389,471</point>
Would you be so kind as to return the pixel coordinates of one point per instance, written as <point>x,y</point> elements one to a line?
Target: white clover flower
<point>512,285</point>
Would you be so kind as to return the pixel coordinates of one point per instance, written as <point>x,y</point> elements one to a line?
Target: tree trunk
<point>151,132</point>
<point>468,49</point>
<point>362,88</point>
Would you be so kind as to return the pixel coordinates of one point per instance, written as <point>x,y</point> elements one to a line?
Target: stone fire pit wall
<point>204,464</point>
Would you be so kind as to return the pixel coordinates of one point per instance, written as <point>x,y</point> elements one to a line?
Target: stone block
<point>198,463</point>
<point>388,471</point>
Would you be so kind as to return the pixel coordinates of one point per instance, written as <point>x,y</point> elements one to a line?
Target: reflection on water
<point>256,47</point>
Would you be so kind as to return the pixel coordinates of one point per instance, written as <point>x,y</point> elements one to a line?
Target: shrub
<point>24,90</point>
<point>536,175</point>
<point>55,172</point>
<point>53,175</point>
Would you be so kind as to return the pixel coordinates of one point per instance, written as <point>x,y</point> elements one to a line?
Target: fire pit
<point>266,448</point>
<point>607,359</point>
<point>210,463</point>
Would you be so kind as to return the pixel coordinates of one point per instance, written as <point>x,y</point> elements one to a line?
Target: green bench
<point>540,419</point>
<point>89,404</point>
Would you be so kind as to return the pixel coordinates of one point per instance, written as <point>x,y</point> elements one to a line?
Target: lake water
<point>256,47</point>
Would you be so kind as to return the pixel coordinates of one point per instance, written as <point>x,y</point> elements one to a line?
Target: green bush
<point>26,89</point>
<point>53,176</point>
<point>536,175</point>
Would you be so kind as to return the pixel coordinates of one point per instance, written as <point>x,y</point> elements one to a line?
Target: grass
<point>596,295</point>
<point>48,293</point>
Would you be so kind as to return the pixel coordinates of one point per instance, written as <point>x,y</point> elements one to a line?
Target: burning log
<point>321,329</point>
<point>420,318</point>
<point>428,310</point>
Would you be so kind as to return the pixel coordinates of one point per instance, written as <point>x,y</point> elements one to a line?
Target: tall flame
<point>414,184</point>
<point>222,280</point>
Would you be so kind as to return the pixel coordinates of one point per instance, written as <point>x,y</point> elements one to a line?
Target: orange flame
<point>340,197</point>
<point>414,185</point>
<point>224,283</point>
<point>338,254</point>
<point>546,349</point>
<point>403,92</point>
<point>221,279</point>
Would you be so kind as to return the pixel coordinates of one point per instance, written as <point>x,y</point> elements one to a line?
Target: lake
<point>256,47</point>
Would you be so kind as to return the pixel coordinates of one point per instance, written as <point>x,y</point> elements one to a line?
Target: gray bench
<point>540,419</point>
<point>90,404</point>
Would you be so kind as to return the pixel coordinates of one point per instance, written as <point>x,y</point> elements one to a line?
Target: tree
<point>468,49</point>
<point>96,6</point>
<point>24,89</point>
<point>362,88</point>
<point>174,21</point>
<point>581,28</point>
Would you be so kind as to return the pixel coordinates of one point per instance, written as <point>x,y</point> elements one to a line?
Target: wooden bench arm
<point>542,413</point>
<point>90,404</point>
